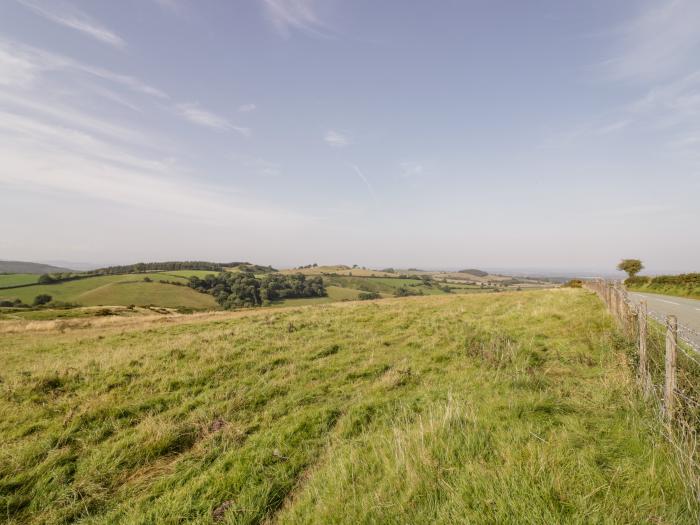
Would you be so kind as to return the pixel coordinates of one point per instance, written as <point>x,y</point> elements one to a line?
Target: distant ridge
<point>30,267</point>
<point>474,271</point>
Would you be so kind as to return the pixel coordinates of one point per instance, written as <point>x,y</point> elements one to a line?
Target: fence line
<point>667,355</point>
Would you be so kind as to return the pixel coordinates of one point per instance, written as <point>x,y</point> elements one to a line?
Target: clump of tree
<point>17,303</point>
<point>368,296</point>
<point>245,290</point>
<point>53,278</point>
<point>631,266</point>
<point>405,291</point>
<point>42,299</point>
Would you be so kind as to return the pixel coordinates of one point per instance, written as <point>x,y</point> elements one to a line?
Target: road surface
<point>686,310</point>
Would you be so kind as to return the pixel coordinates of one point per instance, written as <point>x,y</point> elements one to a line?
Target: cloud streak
<point>193,113</point>
<point>362,177</point>
<point>68,16</point>
<point>335,139</point>
<point>21,65</point>
<point>655,43</point>
<point>287,16</point>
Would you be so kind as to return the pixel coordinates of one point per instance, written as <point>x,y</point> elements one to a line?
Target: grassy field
<point>17,279</point>
<point>119,290</point>
<point>334,294</point>
<point>485,408</point>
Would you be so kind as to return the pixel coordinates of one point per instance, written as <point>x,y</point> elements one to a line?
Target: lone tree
<point>631,266</point>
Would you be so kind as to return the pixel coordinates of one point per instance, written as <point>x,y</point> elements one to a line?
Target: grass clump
<point>508,408</point>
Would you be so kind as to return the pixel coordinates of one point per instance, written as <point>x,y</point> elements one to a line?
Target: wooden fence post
<point>643,367</point>
<point>670,368</point>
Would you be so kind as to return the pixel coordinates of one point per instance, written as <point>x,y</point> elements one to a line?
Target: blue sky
<point>541,134</point>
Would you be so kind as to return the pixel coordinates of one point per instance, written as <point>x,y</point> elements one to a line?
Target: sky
<point>405,133</point>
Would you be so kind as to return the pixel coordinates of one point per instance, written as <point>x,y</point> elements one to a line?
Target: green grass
<point>498,408</point>
<point>142,294</point>
<point>334,294</point>
<point>17,279</point>
<point>118,290</point>
<point>383,285</point>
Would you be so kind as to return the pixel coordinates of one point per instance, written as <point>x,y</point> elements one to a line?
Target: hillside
<point>29,267</point>
<point>488,408</point>
<point>120,290</point>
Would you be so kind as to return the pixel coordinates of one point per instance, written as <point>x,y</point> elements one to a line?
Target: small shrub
<point>367,296</point>
<point>574,283</point>
<point>42,299</point>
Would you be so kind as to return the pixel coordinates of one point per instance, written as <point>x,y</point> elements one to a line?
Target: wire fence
<point>667,355</point>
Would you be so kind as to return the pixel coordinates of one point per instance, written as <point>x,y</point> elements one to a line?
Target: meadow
<point>123,290</point>
<point>17,279</point>
<point>481,408</point>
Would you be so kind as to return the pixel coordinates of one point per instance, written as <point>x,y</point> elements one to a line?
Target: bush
<point>637,281</point>
<point>42,299</point>
<point>574,283</point>
<point>367,296</point>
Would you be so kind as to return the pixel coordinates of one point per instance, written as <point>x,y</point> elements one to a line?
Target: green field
<point>335,294</point>
<point>383,285</point>
<point>119,290</point>
<point>17,279</point>
<point>484,408</point>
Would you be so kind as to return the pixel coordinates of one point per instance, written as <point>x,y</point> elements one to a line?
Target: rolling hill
<point>30,267</point>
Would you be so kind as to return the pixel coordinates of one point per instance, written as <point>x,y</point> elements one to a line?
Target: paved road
<point>686,310</point>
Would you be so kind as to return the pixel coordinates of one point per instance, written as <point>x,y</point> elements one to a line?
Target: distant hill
<point>472,271</point>
<point>29,267</point>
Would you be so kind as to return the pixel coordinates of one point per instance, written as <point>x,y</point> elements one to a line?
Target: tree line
<point>179,265</point>
<point>244,289</point>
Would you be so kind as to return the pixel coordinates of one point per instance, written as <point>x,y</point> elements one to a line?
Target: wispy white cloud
<point>70,117</point>
<point>195,114</point>
<point>657,42</point>
<point>259,166</point>
<point>336,139</point>
<point>15,70</point>
<point>42,155</point>
<point>362,177</point>
<point>69,16</point>
<point>612,127</point>
<point>247,108</point>
<point>410,169</point>
<point>301,15</point>
<point>21,64</point>
<point>174,6</point>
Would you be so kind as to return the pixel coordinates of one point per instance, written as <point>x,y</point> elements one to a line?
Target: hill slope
<point>29,267</point>
<point>503,408</point>
<point>116,290</point>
